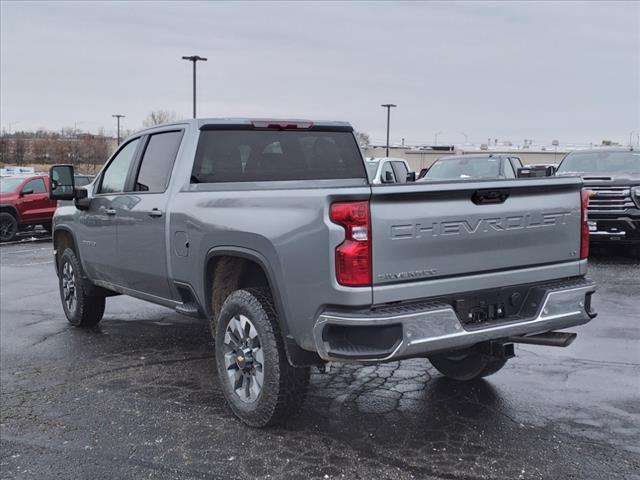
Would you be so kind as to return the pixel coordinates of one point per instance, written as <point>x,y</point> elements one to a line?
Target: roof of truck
<point>257,122</point>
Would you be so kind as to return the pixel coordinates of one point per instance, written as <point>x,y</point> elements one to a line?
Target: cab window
<point>36,186</point>
<point>114,177</point>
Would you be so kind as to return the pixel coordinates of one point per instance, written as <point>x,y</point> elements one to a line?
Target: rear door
<point>141,214</point>
<point>447,230</point>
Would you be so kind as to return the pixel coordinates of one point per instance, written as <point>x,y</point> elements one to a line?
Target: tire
<point>467,366</point>
<point>259,385</point>
<point>8,227</point>
<point>80,309</point>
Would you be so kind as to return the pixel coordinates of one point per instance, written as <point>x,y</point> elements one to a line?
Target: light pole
<point>118,116</point>
<point>436,137</point>
<point>388,106</point>
<point>193,59</point>
<point>555,144</point>
<point>466,137</point>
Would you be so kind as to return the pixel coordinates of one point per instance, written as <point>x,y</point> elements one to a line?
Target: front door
<point>34,202</point>
<point>96,232</point>
<point>142,218</point>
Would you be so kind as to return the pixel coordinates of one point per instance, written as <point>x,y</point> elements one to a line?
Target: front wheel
<point>80,309</point>
<point>260,386</point>
<point>8,227</point>
<point>466,366</point>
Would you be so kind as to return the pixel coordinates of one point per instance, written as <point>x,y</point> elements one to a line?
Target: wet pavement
<point>138,397</point>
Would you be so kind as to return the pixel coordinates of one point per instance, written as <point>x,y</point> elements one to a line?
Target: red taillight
<point>353,256</point>
<point>584,222</point>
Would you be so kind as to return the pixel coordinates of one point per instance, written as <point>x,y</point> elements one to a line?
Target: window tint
<point>400,169</point>
<point>508,169</point>
<point>115,176</point>
<point>157,162</point>
<point>37,185</point>
<point>260,155</point>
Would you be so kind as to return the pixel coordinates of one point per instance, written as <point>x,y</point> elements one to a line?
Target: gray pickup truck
<point>271,231</point>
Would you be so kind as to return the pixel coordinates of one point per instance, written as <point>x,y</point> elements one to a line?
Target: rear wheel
<point>260,386</point>
<point>467,366</point>
<point>8,227</point>
<point>80,309</point>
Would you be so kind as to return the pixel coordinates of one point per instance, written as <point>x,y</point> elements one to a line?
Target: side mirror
<point>411,176</point>
<point>388,177</point>
<point>61,183</point>
<point>26,192</point>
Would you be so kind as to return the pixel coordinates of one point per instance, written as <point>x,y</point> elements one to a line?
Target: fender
<point>68,230</point>
<point>295,355</point>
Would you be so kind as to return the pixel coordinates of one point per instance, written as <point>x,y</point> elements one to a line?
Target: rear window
<point>264,155</point>
<point>464,167</point>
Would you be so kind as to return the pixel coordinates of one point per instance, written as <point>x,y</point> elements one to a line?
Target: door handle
<point>155,213</point>
<point>110,211</point>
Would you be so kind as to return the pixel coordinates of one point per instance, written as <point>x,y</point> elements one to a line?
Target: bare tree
<point>363,139</point>
<point>158,117</point>
<point>20,149</point>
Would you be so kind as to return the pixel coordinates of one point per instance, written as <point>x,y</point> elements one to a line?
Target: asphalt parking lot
<point>138,397</point>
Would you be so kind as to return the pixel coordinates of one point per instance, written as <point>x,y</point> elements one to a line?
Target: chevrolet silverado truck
<point>612,176</point>
<point>272,232</point>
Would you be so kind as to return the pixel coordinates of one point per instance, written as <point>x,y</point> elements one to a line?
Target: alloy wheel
<point>7,230</point>
<point>244,358</point>
<point>69,286</point>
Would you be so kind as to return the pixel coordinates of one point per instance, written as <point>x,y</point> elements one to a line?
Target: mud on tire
<point>259,384</point>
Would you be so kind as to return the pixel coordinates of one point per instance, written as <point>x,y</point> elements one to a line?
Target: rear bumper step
<point>549,339</point>
<point>427,328</point>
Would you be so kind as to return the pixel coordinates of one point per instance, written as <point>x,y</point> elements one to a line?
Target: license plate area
<point>494,306</point>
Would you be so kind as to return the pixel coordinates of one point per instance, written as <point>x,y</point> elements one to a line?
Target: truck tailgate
<point>437,232</point>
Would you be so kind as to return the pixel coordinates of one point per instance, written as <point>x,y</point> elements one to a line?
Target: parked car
<point>472,167</point>
<point>613,177</point>
<point>274,233</point>
<point>24,203</point>
<point>83,180</point>
<point>389,170</point>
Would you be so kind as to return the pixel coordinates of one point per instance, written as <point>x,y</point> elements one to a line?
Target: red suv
<point>24,203</point>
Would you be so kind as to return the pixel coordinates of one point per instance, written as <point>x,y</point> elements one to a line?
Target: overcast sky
<point>503,70</point>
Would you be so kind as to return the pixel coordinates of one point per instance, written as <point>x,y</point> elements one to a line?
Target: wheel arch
<point>64,238</point>
<point>11,209</point>
<point>249,268</point>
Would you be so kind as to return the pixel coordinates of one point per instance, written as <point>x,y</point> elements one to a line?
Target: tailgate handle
<point>483,197</point>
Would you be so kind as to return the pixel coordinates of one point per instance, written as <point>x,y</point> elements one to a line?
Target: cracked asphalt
<point>138,397</point>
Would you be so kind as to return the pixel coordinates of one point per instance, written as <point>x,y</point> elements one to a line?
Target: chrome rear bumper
<point>423,329</point>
